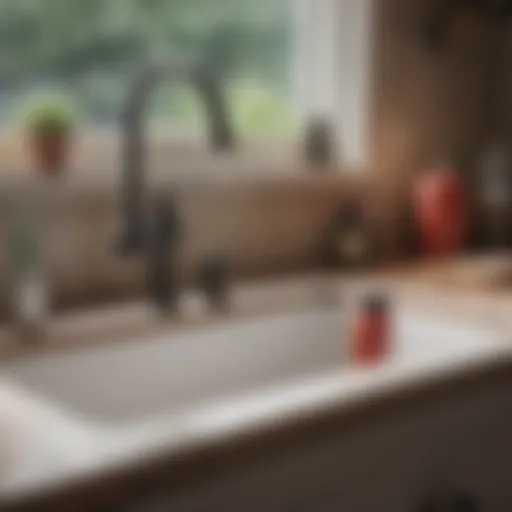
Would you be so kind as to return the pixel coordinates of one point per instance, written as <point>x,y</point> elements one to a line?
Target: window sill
<point>95,168</point>
<point>96,162</point>
<point>102,151</point>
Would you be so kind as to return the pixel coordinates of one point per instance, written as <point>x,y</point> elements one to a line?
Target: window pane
<point>93,50</point>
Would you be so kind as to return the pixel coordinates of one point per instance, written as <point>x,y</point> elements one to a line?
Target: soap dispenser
<point>349,241</point>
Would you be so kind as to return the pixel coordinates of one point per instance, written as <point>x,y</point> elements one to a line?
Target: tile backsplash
<point>262,224</point>
<point>424,108</point>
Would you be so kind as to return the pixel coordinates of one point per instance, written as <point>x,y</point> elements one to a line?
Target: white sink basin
<point>141,379</point>
<point>67,416</point>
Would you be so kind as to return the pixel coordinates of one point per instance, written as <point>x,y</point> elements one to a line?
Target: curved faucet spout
<point>220,135</point>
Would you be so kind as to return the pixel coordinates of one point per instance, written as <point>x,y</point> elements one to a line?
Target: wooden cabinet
<point>460,445</point>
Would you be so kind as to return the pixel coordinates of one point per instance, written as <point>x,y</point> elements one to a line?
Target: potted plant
<point>49,124</point>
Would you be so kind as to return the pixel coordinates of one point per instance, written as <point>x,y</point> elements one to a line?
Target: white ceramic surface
<point>137,379</point>
<point>114,404</point>
<point>140,378</point>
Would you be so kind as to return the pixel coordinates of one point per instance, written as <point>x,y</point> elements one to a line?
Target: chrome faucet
<point>156,232</point>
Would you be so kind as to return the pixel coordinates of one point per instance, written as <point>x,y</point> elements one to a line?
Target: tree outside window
<point>92,50</point>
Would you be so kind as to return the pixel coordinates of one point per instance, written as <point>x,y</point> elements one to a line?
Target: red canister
<point>441,210</point>
<point>371,335</point>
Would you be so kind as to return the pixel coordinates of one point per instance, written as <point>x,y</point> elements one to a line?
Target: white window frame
<point>332,70</point>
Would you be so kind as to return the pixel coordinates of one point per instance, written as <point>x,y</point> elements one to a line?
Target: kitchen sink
<point>144,378</point>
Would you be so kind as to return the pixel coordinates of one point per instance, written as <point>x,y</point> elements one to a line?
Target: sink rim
<point>370,389</point>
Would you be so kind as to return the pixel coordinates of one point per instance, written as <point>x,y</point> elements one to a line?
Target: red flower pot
<point>441,212</point>
<point>50,151</point>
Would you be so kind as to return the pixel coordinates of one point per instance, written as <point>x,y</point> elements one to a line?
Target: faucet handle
<point>214,280</point>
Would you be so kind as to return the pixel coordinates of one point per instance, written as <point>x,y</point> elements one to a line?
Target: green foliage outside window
<point>93,49</point>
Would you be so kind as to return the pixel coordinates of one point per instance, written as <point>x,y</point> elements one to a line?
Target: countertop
<point>420,287</point>
<point>426,285</point>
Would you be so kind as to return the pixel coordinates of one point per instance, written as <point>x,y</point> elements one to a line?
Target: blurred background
<point>91,51</point>
<point>306,297</point>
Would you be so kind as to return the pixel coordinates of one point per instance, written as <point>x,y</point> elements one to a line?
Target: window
<point>280,61</point>
<point>91,50</point>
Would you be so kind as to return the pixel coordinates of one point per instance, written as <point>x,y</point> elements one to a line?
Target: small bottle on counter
<point>371,330</point>
<point>29,291</point>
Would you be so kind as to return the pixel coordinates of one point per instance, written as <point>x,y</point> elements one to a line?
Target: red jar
<point>441,211</point>
<point>371,335</point>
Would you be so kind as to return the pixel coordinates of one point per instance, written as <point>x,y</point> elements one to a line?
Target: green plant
<point>49,115</point>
